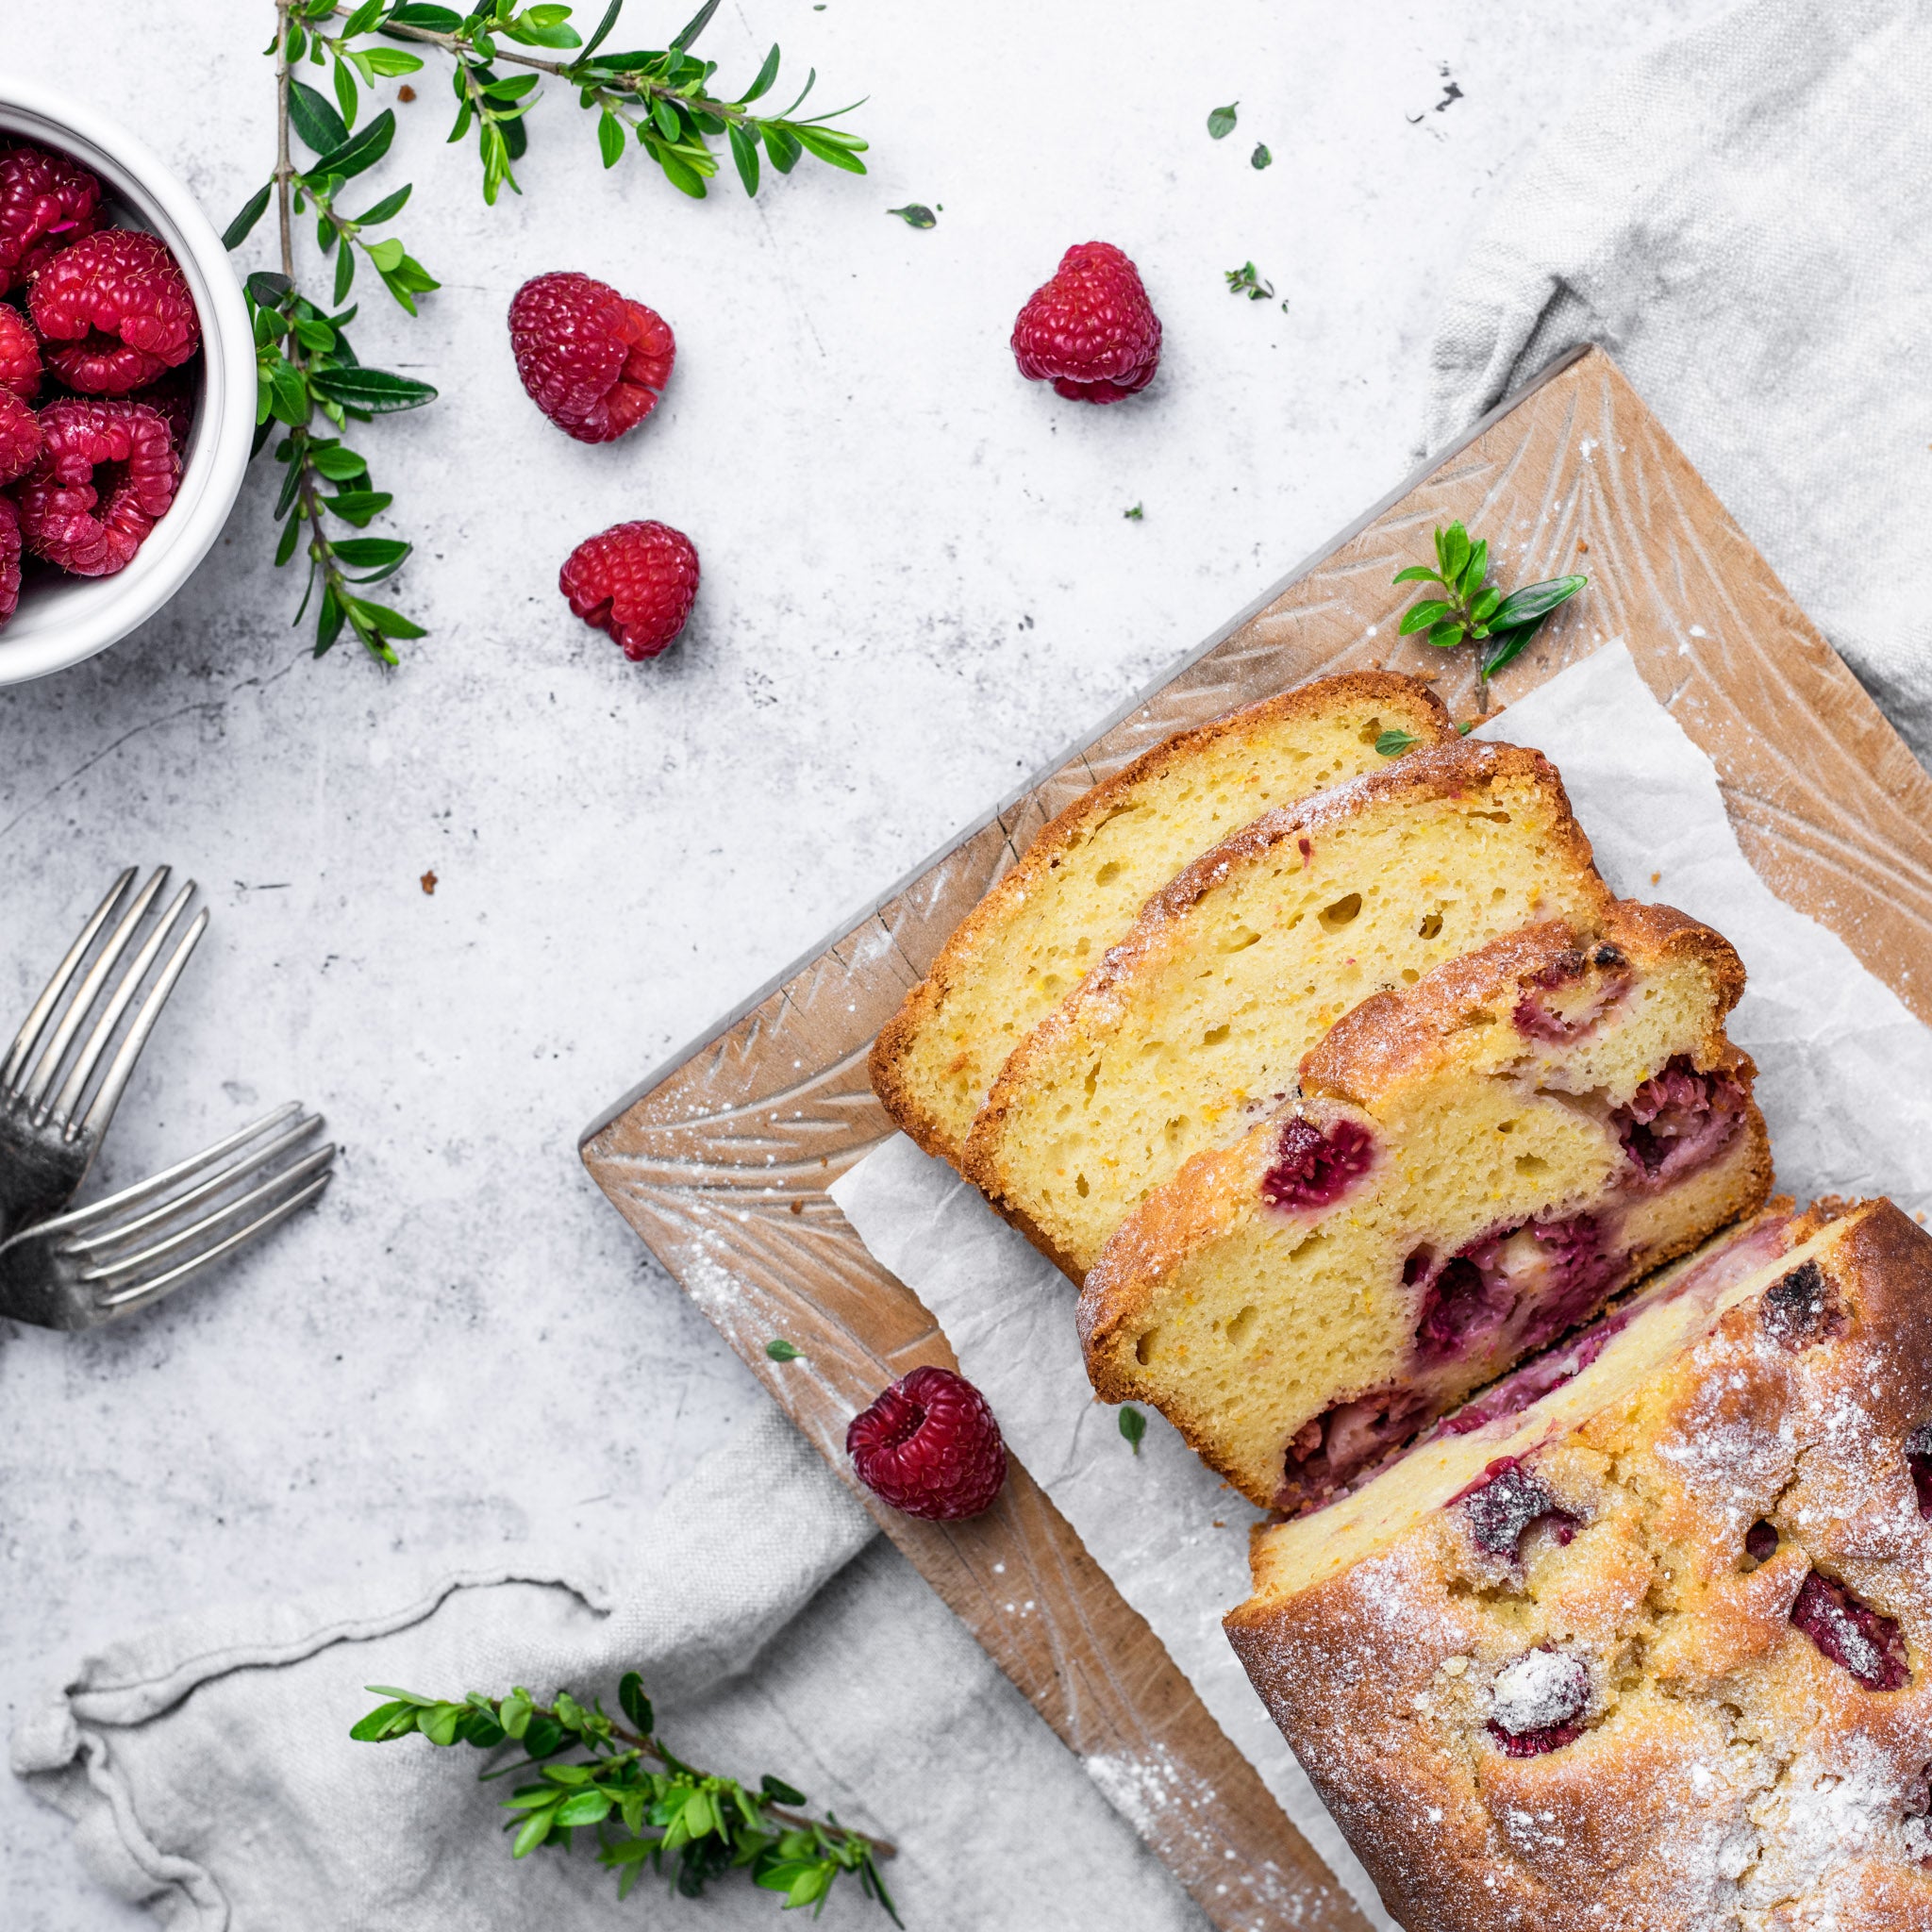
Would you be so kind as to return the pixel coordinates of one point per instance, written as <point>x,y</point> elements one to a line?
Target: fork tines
<point>136,1246</point>
<point>27,1078</point>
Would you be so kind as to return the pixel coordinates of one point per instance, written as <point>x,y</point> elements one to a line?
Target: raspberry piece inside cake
<point>1679,1122</point>
<point>1853,1635</point>
<point>1505,1502</point>
<point>1536,1702</point>
<point>1919,1461</point>
<point>1314,1169</point>
<point>1801,1310</point>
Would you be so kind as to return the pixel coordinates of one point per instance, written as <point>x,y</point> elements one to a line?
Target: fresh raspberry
<point>592,360</point>
<point>19,355</point>
<point>1091,331</point>
<point>20,437</point>
<point>10,558</point>
<point>172,397</point>
<point>114,312</point>
<point>635,580</point>
<point>929,1446</point>
<point>46,204</point>
<point>94,450</point>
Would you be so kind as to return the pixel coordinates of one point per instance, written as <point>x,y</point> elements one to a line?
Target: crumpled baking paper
<point>1844,1079</point>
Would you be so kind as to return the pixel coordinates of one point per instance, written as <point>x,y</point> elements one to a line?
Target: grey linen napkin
<point>1743,218</point>
<point>208,1772</point>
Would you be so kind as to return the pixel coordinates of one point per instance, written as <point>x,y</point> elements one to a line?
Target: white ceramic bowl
<point>63,621</point>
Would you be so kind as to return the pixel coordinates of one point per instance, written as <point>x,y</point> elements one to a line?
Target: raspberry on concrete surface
<point>638,581</point>
<point>929,1446</point>
<point>114,312</point>
<point>1091,331</point>
<point>592,360</point>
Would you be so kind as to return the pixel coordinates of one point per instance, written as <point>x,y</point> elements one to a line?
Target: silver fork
<point>48,1137</point>
<point>97,1263</point>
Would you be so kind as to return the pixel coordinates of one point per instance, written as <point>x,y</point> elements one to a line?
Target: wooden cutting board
<point>722,1157</point>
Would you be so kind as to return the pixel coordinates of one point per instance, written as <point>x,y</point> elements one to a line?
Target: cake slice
<point>1475,1165</point>
<point>1053,915</point>
<point>1195,1023</point>
<point>1643,1637</point>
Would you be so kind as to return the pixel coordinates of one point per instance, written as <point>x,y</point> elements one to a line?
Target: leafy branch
<point>310,384</point>
<point>1471,608</point>
<point>644,1804</point>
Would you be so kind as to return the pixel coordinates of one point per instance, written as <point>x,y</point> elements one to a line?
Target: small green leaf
<point>380,1724</point>
<point>345,272</point>
<point>780,145</point>
<point>831,145</point>
<point>252,209</point>
<point>1133,1426</point>
<point>611,137</point>
<point>1534,600</point>
<point>1447,635</point>
<point>767,75</point>
<point>387,254</point>
<point>311,116</point>
<point>694,26</point>
<point>373,390</point>
<point>1471,579</point>
<point>532,1833</point>
<point>782,1351</point>
<point>1417,574</point>
<point>1260,158</point>
<point>363,150</point>
<point>915,214</point>
<point>636,1706</point>
<point>585,1807</point>
<point>779,1792</point>
<point>745,152</point>
<point>1134,515</point>
<point>388,206</point>
<point>1221,122</point>
<point>345,91</point>
<point>1392,744</point>
<point>1420,616</point>
<point>1452,550</point>
<point>604,27</point>
<point>1505,646</point>
<point>1484,605</point>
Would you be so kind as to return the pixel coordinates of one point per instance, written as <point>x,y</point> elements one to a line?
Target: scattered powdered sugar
<point>1816,1820</point>
<point>1539,1691</point>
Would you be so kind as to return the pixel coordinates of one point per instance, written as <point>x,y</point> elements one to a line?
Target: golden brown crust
<point>1730,1777</point>
<point>988,920</point>
<point>1450,770</point>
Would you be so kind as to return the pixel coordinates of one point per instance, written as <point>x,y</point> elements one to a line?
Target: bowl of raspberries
<point>126,384</point>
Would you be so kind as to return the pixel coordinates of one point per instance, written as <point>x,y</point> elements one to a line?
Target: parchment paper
<point>1844,1079</point>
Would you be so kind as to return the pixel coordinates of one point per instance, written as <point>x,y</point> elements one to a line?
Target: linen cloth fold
<point>210,1776</point>
<point>1744,219</point>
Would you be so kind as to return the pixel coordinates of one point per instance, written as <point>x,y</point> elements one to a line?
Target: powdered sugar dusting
<point>1539,1691</point>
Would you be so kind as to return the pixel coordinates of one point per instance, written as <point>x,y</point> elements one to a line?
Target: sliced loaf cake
<point>1083,879</point>
<point>1195,1024</point>
<point>1641,1639</point>
<point>1476,1163</point>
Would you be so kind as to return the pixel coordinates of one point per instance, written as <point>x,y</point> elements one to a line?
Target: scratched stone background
<point>919,584</point>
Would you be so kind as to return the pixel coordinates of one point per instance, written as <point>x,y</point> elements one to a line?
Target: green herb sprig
<point>310,380</point>
<point>1472,609</point>
<point>1248,280</point>
<point>1133,1426</point>
<point>643,1803</point>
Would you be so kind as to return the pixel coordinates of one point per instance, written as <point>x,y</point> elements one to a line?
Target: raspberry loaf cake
<point>1196,1020</point>
<point>1639,1641</point>
<point>1476,1164</point>
<point>1034,936</point>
